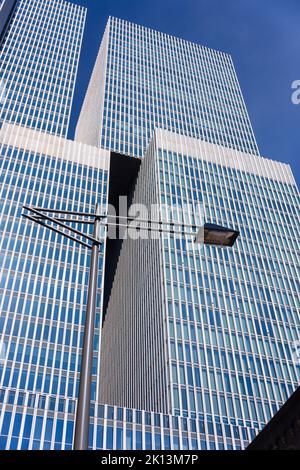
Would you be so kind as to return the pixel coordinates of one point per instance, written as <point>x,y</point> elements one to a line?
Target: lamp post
<point>208,234</point>
<point>84,396</point>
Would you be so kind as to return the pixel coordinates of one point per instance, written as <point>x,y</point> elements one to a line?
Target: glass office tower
<point>43,277</point>
<point>215,328</point>
<point>39,61</point>
<point>145,79</point>
<point>196,343</point>
<point>43,286</point>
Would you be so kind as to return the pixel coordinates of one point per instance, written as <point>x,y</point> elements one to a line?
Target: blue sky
<point>263,37</point>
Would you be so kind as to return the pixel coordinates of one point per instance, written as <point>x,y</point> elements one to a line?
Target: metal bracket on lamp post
<point>41,217</point>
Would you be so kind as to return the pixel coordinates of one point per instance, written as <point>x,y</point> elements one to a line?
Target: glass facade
<point>197,343</point>
<point>216,328</point>
<point>114,428</point>
<point>39,61</point>
<point>43,279</point>
<point>219,325</point>
<point>155,80</point>
<point>233,315</point>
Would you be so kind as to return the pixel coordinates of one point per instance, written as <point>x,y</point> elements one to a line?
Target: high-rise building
<point>43,277</point>
<point>39,61</point>
<point>196,342</point>
<point>215,328</point>
<point>43,285</point>
<point>144,79</point>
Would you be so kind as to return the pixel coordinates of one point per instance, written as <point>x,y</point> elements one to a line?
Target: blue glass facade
<point>145,79</point>
<point>39,60</point>
<point>114,428</point>
<point>219,325</point>
<point>217,340</point>
<point>43,282</point>
<point>232,321</point>
<point>197,343</point>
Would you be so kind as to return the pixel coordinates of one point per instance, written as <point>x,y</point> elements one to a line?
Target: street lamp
<point>209,234</point>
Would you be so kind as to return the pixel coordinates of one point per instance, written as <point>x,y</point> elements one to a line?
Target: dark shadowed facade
<point>283,431</point>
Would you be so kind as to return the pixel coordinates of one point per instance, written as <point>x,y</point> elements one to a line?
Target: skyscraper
<point>43,286</point>
<point>215,328</point>
<point>42,277</point>
<point>144,79</point>
<point>196,343</point>
<point>39,62</point>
